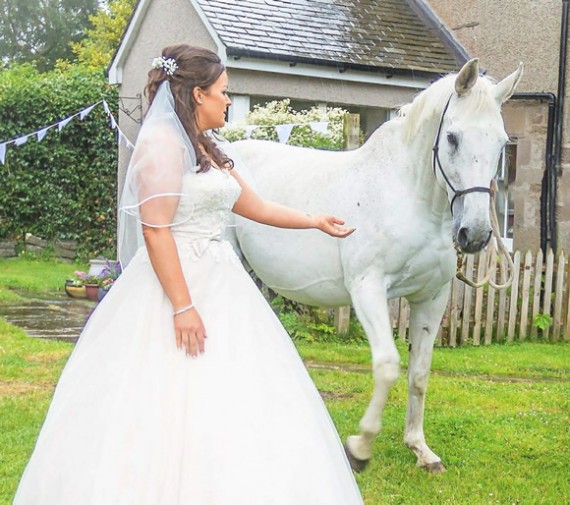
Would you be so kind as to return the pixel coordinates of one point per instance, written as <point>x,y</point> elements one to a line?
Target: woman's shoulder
<point>160,135</point>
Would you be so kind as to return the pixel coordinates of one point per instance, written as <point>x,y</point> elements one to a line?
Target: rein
<point>502,250</point>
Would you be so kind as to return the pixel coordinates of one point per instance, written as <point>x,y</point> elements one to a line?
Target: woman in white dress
<point>184,388</point>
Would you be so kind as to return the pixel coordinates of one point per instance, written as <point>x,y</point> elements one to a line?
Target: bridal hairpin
<point>167,64</point>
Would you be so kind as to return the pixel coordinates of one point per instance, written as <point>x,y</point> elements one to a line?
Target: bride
<point>184,388</point>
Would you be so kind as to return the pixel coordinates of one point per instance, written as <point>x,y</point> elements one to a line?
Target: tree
<point>97,48</point>
<point>42,30</point>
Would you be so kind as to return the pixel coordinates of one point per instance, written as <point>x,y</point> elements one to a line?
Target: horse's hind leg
<point>371,306</point>
<point>425,319</point>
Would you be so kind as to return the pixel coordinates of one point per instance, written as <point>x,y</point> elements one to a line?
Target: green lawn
<point>33,275</point>
<point>498,416</point>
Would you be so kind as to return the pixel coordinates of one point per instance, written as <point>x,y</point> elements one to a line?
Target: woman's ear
<point>197,94</point>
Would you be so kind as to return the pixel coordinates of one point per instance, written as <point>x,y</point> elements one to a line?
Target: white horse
<point>419,184</point>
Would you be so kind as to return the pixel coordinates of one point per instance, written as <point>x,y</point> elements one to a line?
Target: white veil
<point>162,157</point>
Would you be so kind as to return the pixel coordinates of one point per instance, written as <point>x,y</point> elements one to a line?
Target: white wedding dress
<point>134,421</point>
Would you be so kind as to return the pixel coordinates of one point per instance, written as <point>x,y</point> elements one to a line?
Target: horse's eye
<point>452,139</point>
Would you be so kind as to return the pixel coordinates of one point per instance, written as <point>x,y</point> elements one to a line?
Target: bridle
<point>492,256</point>
<point>456,193</point>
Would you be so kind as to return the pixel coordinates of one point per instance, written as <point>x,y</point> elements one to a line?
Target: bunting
<point>284,130</point>
<point>60,125</point>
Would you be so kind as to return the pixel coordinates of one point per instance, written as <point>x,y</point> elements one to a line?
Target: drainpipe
<point>557,168</point>
<point>546,210</point>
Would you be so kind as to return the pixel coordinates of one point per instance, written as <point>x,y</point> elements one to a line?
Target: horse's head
<point>470,138</point>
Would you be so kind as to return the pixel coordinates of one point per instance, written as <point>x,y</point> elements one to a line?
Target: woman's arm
<point>251,206</point>
<point>163,254</point>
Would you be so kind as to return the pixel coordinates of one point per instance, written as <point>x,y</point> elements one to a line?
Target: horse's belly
<point>302,265</point>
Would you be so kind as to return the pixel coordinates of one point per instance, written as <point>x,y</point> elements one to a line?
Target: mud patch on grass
<point>331,395</point>
<point>19,388</point>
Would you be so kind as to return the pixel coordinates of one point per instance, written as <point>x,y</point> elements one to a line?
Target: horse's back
<point>303,265</point>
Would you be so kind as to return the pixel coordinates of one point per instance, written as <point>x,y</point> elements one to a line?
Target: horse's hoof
<point>436,467</point>
<point>358,465</point>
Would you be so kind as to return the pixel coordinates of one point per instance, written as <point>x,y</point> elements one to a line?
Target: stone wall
<point>65,250</point>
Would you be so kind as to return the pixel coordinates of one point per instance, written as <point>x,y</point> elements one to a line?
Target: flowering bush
<point>280,112</point>
<point>106,284</point>
<point>109,274</point>
<point>78,279</point>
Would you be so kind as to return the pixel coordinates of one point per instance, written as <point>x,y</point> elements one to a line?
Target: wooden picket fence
<point>539,293</point>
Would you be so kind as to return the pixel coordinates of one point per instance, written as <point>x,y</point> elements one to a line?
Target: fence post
<point>547,300</point>
<point>351,133</point>
<point>561,267</point>
<point>525,297</point>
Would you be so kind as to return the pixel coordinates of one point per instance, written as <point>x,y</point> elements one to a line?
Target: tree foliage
<point>42,30</point>
<point>63,187</point>
<point>96,49</point>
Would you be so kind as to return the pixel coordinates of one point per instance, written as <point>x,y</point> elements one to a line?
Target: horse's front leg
<point>371,306</point>
<point>425,319</point>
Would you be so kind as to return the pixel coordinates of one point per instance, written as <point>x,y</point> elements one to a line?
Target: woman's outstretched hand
<point>190,332</point>
<point>333,226</point>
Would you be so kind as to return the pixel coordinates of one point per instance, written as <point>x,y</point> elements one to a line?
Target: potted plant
<point>92,283</point>
<point>75,287</point>
<point>108,276</point>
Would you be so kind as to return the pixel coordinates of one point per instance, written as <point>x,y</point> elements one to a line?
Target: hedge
<point>63,187</point>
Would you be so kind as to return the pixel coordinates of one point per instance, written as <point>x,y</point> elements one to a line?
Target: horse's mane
<point>428,106</point>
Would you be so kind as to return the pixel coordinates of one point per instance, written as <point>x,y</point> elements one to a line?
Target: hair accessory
<point>167,64</point>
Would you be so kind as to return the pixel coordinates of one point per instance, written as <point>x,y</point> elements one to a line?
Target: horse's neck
<point>413,164</point>
<point>426,186</point>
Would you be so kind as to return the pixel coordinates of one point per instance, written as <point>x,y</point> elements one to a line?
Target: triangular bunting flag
<point>86,111</point>
<point>41,134</point>
<point>106,107</point>
<point>122,138</point>
<point>284,132</point>
<point>320,126</point>
<point>62,124</point>
<point>21,140</point>
<point>2,153</point>
<point>249,130</point>
<point>113,123</point>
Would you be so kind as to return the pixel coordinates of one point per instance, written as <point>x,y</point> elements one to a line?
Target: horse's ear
<point>467,77</point>
<point>503,90</point>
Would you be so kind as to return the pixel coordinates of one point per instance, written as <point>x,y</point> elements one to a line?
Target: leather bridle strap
<point>436,162</point>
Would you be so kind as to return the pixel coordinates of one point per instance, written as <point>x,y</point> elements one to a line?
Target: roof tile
<point>370,33</point>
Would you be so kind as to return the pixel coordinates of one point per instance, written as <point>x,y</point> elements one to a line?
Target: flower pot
<point>92,291</point>
<point>96,266</point>
<point>101,293</point>
<point>75,291</point>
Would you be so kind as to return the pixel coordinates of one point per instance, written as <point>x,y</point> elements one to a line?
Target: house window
<point>504,202</point>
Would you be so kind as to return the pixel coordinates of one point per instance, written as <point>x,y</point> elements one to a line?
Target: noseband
<point>436,162</point>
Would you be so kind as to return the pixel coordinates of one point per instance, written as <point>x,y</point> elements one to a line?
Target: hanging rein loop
<point>495,242</point>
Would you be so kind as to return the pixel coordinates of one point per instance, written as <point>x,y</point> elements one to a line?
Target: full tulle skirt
<point>134,421</point>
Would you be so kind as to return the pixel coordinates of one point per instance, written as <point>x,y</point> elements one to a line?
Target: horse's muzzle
<point>470,241</point>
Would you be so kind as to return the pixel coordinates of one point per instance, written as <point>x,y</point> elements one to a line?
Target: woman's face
<point>212,103</point>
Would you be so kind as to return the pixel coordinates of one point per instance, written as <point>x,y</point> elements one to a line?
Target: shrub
<point>63,187</point>
<point>280,112</point>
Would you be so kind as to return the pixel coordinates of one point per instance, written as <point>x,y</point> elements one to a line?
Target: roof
<point>361,34</point>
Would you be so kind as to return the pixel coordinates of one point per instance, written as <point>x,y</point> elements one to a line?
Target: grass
<point>29,274</point>
<point>522,360</point>
<point>498,416</point>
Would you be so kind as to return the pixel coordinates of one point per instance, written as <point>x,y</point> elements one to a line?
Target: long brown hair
<point>197,67</point>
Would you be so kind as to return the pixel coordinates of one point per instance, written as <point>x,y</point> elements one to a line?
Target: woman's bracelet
<point>183,309</point>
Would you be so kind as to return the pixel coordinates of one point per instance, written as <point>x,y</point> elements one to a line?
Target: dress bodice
<point>204,212</point>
